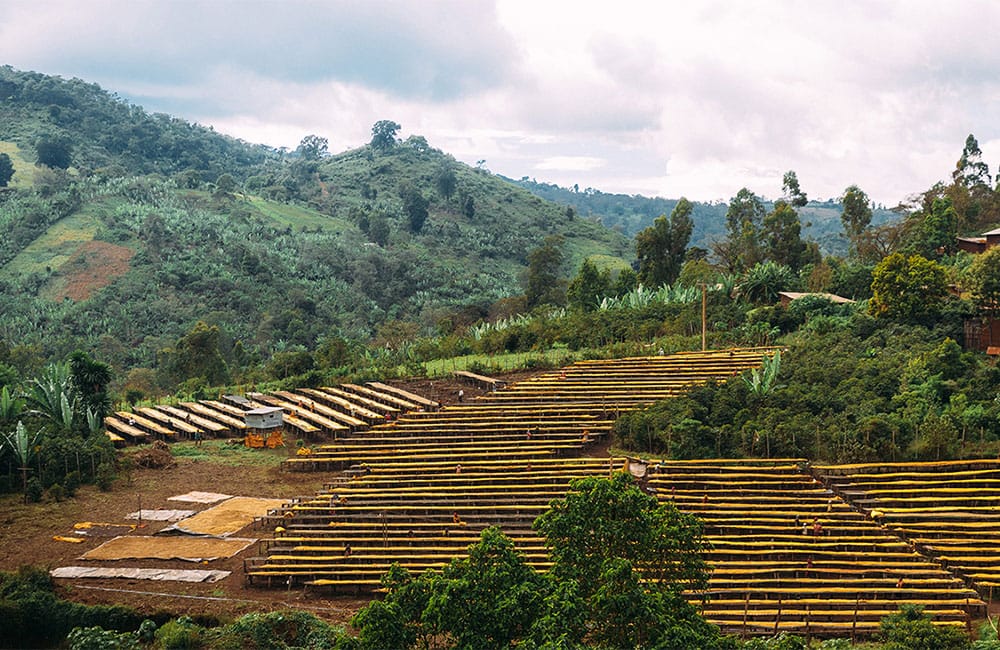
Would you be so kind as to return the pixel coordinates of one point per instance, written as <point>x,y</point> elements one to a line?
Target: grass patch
<point>24,170</point>
<point>299,218</point>
<point>503,362</point>
<point>223,452</point>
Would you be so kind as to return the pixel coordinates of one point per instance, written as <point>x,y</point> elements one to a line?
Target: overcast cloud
<point>659,98</point>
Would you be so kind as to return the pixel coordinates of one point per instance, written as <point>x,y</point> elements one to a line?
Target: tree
<point>415,205</point>
<point>313,147</point>
<point>857,213</point>
<point>982,279</point>
<point>937,229</point>
<point>197,355</point>
<point>793,193</point>
<point>588,287</point>
<point>543,284</point>
<point>55,152</point>
<point>22,446</point>
<point>627,559</point>
<point>660,248</point>
<point>6,169</point>
<point>907,288</point>
<point>384,135</point>
<point>911,629</point>
<point>970,170</point>
<point>744,220</point>
<point>445,180</point>
<point>782,237</point>
<point>91,379</point>
<point>488,599</point>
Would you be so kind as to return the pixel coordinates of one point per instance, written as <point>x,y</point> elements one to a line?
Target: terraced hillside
<point>949,511</point>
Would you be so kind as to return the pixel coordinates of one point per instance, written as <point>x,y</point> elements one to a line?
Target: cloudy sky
<point>667,98</point>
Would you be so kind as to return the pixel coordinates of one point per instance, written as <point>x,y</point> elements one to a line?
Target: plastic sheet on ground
<point>228,517</point>
<point>177,575</point>
<point>193,549</point>
<point>160,515</point>
<point>200,497</point>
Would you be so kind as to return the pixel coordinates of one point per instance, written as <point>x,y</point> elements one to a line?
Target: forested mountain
<point>122,230</point>
<point>631,213</point>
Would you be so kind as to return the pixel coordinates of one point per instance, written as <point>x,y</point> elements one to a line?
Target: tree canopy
<point>660,248</point>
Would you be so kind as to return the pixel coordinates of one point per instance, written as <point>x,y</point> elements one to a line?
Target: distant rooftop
<point>832,297</point>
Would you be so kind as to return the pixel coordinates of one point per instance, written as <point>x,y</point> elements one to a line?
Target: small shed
<point>265,418</point>
<point>787,297</point>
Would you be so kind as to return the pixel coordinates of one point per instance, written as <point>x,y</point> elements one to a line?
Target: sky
<point>661,98</point>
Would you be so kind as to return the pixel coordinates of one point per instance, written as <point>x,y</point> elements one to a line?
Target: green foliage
<point>983,280</point>
<point>857,214</point>
<point>180,634</point>
<point>588,287</point>
<point>282,630</point>
<point>543,285</point>
<point>910,629</point>
<point>907,288</point>
<point>105,476</point>
<point>744,221</point>
<point>6,169</point>
<point>761,284</point>
<point>97,638</point>
<point>854,390</point>
<point>33,617</point>
<point>384,135</point>
<point>488,599</point>
<point>622,562</point>
<point>54,151</point>
<point>660,248</point>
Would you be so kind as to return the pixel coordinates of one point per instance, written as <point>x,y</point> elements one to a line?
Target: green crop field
<point>299,218</point>
<point>55,246</point>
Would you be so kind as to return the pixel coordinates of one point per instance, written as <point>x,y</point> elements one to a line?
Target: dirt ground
<point>27,531</point>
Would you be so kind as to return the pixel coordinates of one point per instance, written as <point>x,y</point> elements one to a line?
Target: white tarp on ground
<point>160,515</point>
<point>200,497</point>
<point>179,575</point>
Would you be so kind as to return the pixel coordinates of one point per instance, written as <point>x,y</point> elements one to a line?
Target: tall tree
<point>970,170</point>
<point>744,220</point>
<point>384,135</point>
<point>782,236</point>
<point>793,193</point>
<point>543,284</point>
<point>415,205</point>
<point>6,169</point>
<point>856,215</point>
<point>313,147</point>
<point>660,248</point>
<point>445,180</point>
<point>936,230</point>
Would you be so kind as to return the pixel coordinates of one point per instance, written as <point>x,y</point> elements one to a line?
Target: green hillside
<point>156,224</point>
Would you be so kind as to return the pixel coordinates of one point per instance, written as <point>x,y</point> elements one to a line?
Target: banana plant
<point>762,381</point>
<point>22,445</point>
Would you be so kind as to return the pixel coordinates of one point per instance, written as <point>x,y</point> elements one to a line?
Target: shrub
<point>179,634</point>
<point>105,476</point>
<point>97,638</point>
<point>57,493</point>
<point>34,490</point>
<point>71,483</point>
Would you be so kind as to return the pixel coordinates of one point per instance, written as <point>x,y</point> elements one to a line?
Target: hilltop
<point>141,225</point>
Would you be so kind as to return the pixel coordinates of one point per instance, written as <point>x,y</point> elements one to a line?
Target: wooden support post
<point>854,624</point>
<point>746,610</point>
<point>704,327</point>
<point>808,631</point>
<point>777,618</point>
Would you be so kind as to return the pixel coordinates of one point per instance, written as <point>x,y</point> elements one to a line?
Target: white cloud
<point>696,99</point>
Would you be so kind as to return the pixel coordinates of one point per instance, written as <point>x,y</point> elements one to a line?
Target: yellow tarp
<point>228,517</point>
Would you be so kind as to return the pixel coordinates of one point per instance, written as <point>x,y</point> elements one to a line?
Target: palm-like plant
<point>22,445</point>
<point>52,396</point>
<point>763,381</point>
<point>10,405</point>
<point>762,283</point>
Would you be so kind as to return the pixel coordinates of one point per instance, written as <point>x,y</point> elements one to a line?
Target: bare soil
<point>93,266</point>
